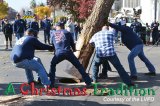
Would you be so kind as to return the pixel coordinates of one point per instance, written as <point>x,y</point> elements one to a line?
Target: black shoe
<point>133,77</point>
<point>89,86</point>
<point>52,86</point>
<point>130,85</point>
<point>102,76</point>
<point>151,74</point>
<point>36,83</point>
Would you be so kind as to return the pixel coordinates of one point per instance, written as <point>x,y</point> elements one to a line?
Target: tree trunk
<point>93,24</point>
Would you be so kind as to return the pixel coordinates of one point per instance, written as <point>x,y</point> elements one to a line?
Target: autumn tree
<point>80,9</point>
<point>3,10</point>
<point>42,11</point>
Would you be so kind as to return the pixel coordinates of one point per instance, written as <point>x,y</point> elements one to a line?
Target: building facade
<point>150,8</point>
<point>1,1</point>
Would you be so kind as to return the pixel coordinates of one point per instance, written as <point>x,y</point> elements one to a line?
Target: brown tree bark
<point>93,24</point>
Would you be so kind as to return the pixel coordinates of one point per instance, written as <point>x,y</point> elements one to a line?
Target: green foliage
<point>3,10</point>
<point>58,18</point>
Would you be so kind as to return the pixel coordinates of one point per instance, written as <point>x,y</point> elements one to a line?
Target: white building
<point>148,8</point>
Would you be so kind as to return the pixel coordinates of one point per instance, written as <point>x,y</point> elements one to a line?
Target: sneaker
<point>151,74</point>
<point>102,76</point>
<point>35,83</point>
<point>133,77</point>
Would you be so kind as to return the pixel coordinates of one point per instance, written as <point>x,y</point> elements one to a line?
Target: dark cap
<point>59,24</point>
<point>32,31</point>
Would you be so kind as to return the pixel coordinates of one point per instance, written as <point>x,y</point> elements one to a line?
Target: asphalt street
<point>16,76</point>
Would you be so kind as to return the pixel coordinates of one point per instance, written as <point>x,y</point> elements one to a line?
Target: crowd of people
<point>62,42</point>
<point>149,34</point>
<point>20,26</point>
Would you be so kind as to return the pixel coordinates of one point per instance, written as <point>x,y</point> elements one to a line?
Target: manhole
<point>69,80</point>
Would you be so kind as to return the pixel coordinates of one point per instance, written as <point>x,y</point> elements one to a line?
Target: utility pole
<point>155,10</point>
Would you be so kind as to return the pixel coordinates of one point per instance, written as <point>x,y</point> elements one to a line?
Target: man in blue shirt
<point>63,42</point>
<point>22,56</point>
<point>103,41</point>
<point>34,25</point>
<point>136,26</point>
<point>135,45</point>
<point>19,27</point>
<point>46,24</point>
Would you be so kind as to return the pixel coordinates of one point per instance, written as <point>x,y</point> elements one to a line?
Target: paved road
<point>8,73</point>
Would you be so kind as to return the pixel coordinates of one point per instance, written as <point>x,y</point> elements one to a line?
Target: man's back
<point>25,47</point>
<point>62,41</point>
<point>129,38</point>
<point>103,41</point>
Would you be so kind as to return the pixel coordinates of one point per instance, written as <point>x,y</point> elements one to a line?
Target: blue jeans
<point>36,65</point>
<point>95,67</point>
<point>75,36</point>
<point>19,35</point>
<point>116,63</point>
<point>138,51</point>
<point>47,36</point>
<point>71,58</point>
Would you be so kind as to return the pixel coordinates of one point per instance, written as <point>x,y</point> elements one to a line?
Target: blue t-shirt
<point>19,26</point>
<point>47,25</point>
<point>62,41</point>
<point>25,47</point>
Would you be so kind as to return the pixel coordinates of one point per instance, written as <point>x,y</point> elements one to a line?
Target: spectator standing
<point>155,33</point>
<point>148,33</point>
<point>136,26</point>
<point>34,25</point>
<point>70,26</point>
<point>19,27</point>
<point>8,31</point>
<point>47,27</point>
<point>77,31</point>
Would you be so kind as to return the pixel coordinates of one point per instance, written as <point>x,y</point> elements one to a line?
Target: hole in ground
<point>69,80</point>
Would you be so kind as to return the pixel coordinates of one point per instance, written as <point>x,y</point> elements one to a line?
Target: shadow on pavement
<point>65,102</point>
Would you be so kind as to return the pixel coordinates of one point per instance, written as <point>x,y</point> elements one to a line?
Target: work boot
<point>133,77</point>
<point>36,83</point>
<point>102,76</point>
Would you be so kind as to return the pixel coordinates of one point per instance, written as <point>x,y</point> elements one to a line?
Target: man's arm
<point>120,28</point>
<point>40,46</point>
